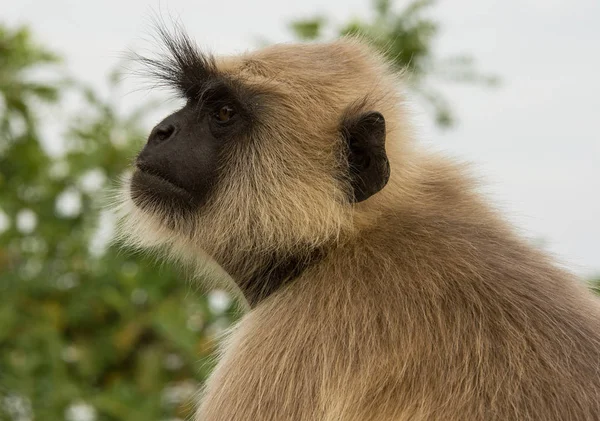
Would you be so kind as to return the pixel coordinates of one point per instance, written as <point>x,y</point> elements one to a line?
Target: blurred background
<point>91,332</point>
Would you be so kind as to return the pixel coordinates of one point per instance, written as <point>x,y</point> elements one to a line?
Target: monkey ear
<point>368,163</point>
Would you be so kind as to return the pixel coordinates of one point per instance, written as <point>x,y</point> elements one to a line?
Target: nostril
<point>163,132</point>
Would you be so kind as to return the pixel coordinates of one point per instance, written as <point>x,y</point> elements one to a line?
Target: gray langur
<point>380,285</point>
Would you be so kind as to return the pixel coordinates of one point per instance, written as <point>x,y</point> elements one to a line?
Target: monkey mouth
<point>150,189</point>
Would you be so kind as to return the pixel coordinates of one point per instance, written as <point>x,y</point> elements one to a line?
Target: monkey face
<point>177,169</point>
<point>271,152</point>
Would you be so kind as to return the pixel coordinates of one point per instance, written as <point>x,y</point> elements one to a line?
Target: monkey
<point>379,283</point>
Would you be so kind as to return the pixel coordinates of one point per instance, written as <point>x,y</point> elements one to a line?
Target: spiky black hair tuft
<point>181,66</point>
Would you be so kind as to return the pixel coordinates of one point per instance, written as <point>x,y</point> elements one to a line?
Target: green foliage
<point>406,38</point>
<point>83,327</point>
<point>595,285</point>
<point>308,29</point>
<point>18,55</point>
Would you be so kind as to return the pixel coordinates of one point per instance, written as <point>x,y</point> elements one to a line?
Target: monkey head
<point>273,152</point>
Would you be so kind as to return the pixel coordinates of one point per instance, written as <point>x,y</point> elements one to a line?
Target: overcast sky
<point>535,139</point>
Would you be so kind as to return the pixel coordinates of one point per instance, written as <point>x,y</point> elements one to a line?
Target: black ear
<point>369,168</point>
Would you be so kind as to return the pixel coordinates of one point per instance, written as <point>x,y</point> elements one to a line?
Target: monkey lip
<point>148,186</point>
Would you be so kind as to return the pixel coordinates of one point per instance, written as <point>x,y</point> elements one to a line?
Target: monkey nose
<point>161,132</point>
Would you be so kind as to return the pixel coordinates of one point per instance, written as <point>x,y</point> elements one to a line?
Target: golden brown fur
<point>426,305</point>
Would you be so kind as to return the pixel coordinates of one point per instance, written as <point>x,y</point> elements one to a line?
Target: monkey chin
<point>149,213</point>
<point>174,206</point>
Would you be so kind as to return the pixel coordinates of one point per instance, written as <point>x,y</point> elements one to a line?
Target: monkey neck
<point>434,192</point>
<point>260,276</point>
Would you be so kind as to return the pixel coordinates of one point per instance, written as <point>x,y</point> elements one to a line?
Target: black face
<point>178,167</point>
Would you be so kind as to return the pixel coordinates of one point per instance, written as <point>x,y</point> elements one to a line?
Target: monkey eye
<point>224,114</point>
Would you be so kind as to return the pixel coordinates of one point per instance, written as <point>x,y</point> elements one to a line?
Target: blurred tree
<point>595,285</point>
<point>406,38</point>
<point>17,56</point>
<point>86,332</point>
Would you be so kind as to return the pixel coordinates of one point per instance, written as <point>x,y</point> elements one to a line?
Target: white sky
<point>535,139</point>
